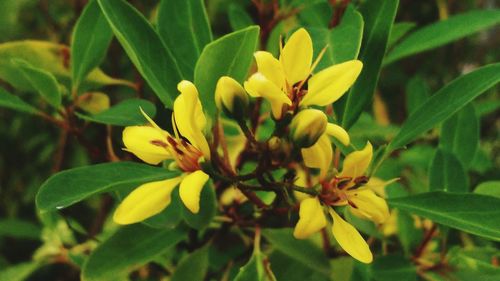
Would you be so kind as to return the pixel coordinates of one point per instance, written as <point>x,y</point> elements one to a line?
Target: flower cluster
<point>301,145</point>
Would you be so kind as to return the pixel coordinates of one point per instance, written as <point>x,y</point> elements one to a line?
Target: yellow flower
<point>307,127</point>
<point>231,98</point>
<point>154,145</point>
<point>349,189</point>
<point>281,81</point>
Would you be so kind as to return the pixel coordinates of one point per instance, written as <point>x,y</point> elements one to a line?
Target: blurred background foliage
<point>29,145</point>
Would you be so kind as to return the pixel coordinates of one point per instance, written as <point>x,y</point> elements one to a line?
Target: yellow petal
<point>312,219</point>
<point>339,133</point>
<point>189,117</point>
<point>259,86</point>
<point>145,201</point>
<point>368,205</point>
<point>147,143</point>
<point>190,190</point>
<point>230,96</point>
<point>378,185</point>
<point>350,240</point>
<point>271,68</point>
<point>296,56</point>
<point>331,83</point>
<point>356,163</point>
<point>319,155</point>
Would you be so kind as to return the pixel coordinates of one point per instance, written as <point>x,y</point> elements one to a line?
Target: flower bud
<point>231,98</point>
<point>307,126</point>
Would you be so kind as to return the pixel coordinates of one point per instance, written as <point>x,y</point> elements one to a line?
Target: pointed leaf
<point>378,16</point>
<point>443,32</point>
<point>8,100</point>
<point>193,268</point>
<point>129,247</point>
<point>238,17</point>
<point>144,48</point>
<point>42,81</point>
<point>184,28</point>
<point>445,103</point>
<point>446,173</point>
<point>71,186</point>
<point>473,213</point>
<point>460,134</point>
<point>90,41</point>
<point>126,113</point>
<point>303,251</point>
<point>229,55</point>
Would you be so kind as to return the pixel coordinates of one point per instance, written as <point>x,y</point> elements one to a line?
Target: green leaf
<point>408,234</point>
<point>144,48</point>
<point>129,247</point>
<point>490,188</point>
<point>229,55</point>
<point>302,251</point>
<point>417,92</point>
<point>255,269</point>
<point>126,113</point>
<point>90,41</point>
<point>378,16</point>
<point>50,57</point>
<point>194,267</point>
<point>238,17</point>
<point>14,102</point>
<point>460,134</point>
<point>399,30</point>
<point>338,49</point>
<point>474,263</point>
<point>445,103</point>
<point>393,268</point>
<point>443,32</point>
<point>71,186</point>
<point>208,208</point>
<point>19,272</point>
<point>316,14</point>
<point>289,269</point>
<point>446,173</point>
<point>44,82</point>
<point>19,229</point>
<point>184,28</point>
<point>468,212</point>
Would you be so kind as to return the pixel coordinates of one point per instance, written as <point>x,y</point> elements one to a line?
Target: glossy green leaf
<point>131,246</point>
<point>126,113</point>
<point>71,186</point>
<point>144,48</point>
<point>446,173</point>
<point>460,134</point>
<point>464,211</point>
<point>399,30</point>
<point>90,41</point>
<point>208,208</point>
<point>289,269</point>
<point>378,16</point>
<point>229,55</point>
<point>238,17</point>
<point>50,57</point>
<point>490,188</point>
<point>184,28</point>
<point>443,32</point>
<point>393,268</point>
<point>193,267</point>
<point>417,92</point>
<point>338,48</point>
<point>302,251</point>
<point>19,229</point>
<point>19,272</point>
<point>255,269</point>
<point>8,100</point>
<point>445,103</point>
<point>42,81</point>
